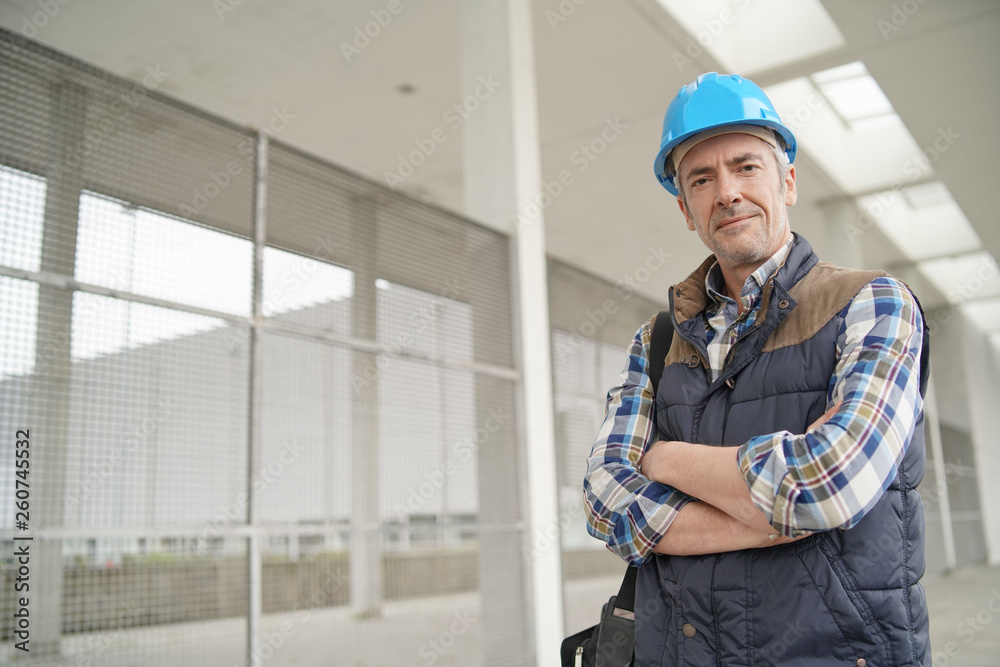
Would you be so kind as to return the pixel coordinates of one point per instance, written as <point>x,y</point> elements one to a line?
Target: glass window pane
<point>306,431</point>
<point>574,361</point>
<point>122,247</point>
<point>103,325</point>
<point>157,416</point>
<point>18,307</point>
<point>428,432</point>
<point>417,322</point>
<point>22,209</point>
<point>307,291</point>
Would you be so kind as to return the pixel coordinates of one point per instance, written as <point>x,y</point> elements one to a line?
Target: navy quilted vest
<point>843,597</point>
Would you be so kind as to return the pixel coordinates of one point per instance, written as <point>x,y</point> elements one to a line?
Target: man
<point>769,494</point>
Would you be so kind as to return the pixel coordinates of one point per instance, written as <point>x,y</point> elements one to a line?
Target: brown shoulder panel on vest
<point>681,352</point>
<point>821,295</point>
<point>689,301</point>
<point>689,295</point>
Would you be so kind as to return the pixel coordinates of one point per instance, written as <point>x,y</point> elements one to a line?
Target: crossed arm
<point>726,519</point>
<point>691,499</point>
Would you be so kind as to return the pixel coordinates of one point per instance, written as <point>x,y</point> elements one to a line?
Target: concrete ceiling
<point>242,59</point>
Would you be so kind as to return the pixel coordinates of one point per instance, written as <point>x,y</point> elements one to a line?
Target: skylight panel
<point>923,221</point>
<point>844,121</point>
<point>848,71</point>
<point>745,37</point>
<point>853,94</point>
<point>970,277</point>
<point>857,98</point>
<point>927,194</point>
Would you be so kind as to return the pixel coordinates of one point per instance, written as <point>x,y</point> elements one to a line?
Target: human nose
<point>727,193</point>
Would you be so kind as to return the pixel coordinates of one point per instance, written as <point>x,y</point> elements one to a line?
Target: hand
<point>700,528</point>
<point>827,416</point>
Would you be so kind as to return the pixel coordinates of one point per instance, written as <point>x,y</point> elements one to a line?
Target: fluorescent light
<point>748,37</point>
<point>923,221</point>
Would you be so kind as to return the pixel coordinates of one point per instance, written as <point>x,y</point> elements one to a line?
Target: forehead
<point>722,148</point>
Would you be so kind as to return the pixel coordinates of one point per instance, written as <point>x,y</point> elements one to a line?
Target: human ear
<point>791,194</point>
<point>687,218</point>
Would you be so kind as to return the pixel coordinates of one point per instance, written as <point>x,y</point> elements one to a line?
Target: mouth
<point>732,222</point>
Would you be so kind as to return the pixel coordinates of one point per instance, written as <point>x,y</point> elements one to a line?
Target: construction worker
<point>768,495</point>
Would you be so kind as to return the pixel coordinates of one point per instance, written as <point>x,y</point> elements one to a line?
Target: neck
<point>735,279</point>
<point>735,276</point>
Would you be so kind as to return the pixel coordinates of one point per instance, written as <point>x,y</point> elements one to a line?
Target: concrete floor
<point>965,617</point>
<point>443,631</point>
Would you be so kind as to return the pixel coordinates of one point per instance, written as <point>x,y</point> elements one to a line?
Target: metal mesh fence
<point>593,323</point>
<point>220,475</point>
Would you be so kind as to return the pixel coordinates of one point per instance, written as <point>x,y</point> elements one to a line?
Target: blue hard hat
<point>712,101</point>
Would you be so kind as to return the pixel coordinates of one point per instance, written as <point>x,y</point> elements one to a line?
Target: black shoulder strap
<point>625,599</point>
<point>659,345</point>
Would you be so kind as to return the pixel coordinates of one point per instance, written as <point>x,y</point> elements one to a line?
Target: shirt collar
<point>715,285</point>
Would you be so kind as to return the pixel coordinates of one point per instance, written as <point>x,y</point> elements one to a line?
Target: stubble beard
<point>747,246</point>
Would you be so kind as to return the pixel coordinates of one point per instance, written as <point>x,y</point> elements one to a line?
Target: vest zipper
<point>725,422</point>
<point>757,325</point>
<point>732,353</point>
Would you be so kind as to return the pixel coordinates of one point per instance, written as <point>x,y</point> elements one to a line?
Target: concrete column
<point>502,173</point>
<point>932,427</point>
<point>366,555</point>
<point>52,390</point>
<point>255,575</point>
<point>842,233</point>
<point>981,371</point>
<point>947,328</point>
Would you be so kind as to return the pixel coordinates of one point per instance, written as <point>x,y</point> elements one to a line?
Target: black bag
<point>609,643</point>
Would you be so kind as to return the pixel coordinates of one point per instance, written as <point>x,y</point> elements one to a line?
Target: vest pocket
<point>842,609</point>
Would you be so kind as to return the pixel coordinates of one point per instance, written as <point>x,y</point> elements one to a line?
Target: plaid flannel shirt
<point>828,478</point>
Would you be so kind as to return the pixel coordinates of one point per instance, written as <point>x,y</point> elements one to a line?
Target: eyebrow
<point>739,159</point>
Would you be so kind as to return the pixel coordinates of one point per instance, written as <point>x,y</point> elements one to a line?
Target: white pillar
<point>52,382</point>
<point>502,172</point>
<point>366,549</point>
<point>981,370</point>
<point>842,233</point>
<point>933,431</point>
<point>255,567</point>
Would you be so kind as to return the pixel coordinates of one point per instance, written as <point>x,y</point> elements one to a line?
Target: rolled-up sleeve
<point>626,510</point>
<point>834,475</point>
